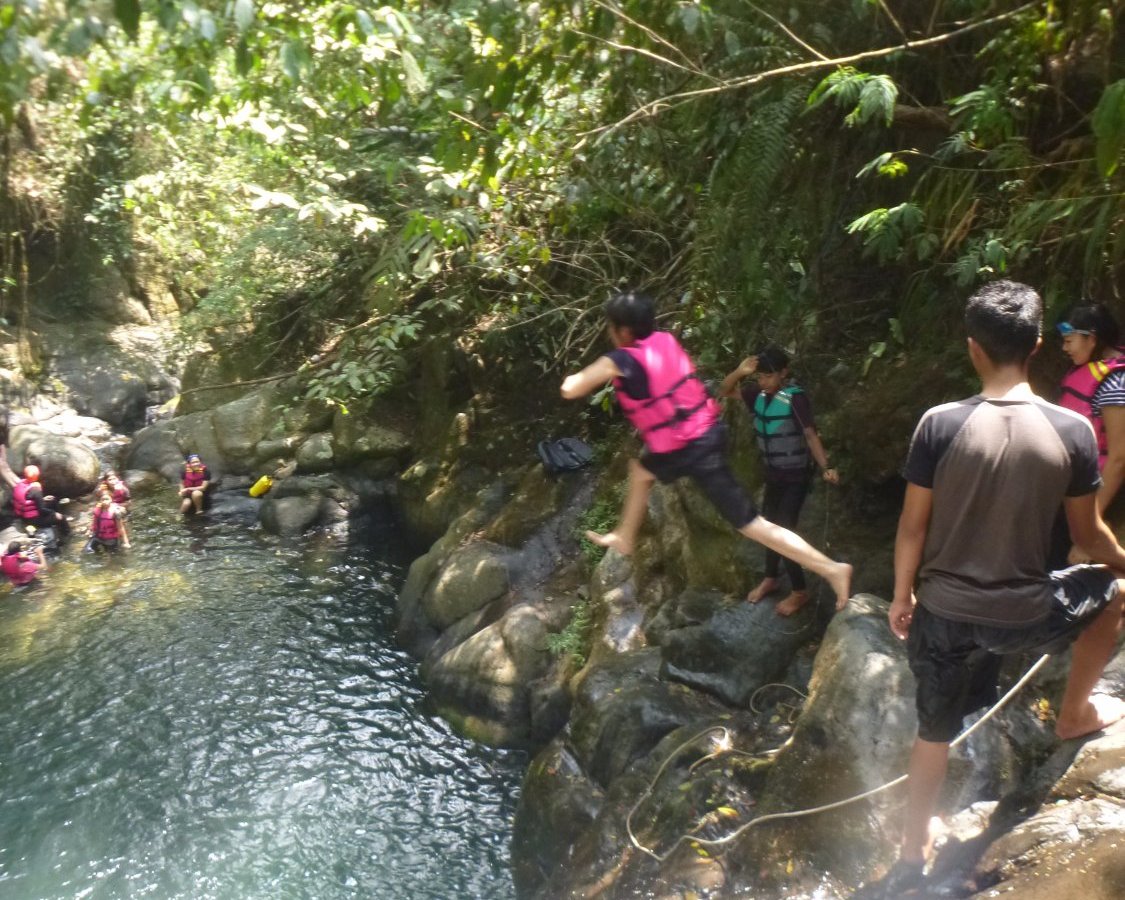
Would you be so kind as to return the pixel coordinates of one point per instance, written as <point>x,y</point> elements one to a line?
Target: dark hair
<point>633,310</point>
<point>1004,318</point>
<point>772,358</point>
<point>1098,320</point>
<point>15,547</point>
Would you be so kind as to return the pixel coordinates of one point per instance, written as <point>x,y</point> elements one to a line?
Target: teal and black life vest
<point>780,436</point>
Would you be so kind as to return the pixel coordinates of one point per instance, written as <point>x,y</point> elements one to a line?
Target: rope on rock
<point>723,746</point>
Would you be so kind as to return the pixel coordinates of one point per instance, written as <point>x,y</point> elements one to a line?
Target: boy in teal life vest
<point>789,443</point>
<point>660,394</point>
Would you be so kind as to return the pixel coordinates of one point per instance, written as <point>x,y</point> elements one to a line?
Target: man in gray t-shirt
<point>985,478</point>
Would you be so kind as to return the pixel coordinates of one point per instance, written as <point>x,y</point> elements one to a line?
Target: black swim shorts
<point>956,664</point>
<point>704,461</point>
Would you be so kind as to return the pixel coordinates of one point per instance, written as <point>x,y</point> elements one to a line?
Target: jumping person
<point>985,477</point>
<point>678,420</point>
<point>195,482</point>
<point>789,444</point>
<point>20,565</point>
<point>107,526</point>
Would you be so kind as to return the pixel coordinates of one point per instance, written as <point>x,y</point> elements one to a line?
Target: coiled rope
<point>724,747</point>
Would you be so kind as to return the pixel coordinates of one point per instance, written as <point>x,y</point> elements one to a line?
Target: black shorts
<point>956,664</point>
<point>704,462</point>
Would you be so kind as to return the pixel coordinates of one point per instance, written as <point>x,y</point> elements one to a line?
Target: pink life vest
<point>679,409</point>
<point>1077,393</point>
<point>193,478</point>
<point>105,524</point>
<point>14,567</point>
<point>21,505</point>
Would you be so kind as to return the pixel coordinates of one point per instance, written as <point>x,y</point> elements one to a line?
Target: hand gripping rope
<point>724,744</point>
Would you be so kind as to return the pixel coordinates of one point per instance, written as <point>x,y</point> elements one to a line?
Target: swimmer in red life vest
<point>20,564</point>
<point>107,526</point>
<point>195,482</point>
<point>29,504</point>
<point>678,420</point>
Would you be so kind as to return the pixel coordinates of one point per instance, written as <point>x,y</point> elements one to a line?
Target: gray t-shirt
<point>999,471</point>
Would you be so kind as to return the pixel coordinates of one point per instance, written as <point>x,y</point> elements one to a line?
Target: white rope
<point>770,817</point>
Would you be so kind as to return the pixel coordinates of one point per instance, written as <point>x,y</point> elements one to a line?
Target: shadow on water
<point>220,713</point>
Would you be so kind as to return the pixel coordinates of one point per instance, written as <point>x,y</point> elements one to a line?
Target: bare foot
<point>792,603</point>
<point>840,578</point>
<point>611,541</point>
<point>1100,712</point>
<point>199,512</point>
<point>764,588</point>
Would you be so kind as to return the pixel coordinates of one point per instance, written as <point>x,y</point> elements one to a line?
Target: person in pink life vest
<point>194,485</point>
<point>1095,387</point>
<point>678,420</point>
<point>20,564</point>
<point>107,526</point>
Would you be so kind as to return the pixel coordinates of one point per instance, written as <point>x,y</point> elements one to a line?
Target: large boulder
<point>290,515</point>
<point>241,424</point>
<point>118,397</point>
<point>68,467</point>
<point>355,439</point>
<point>156,449</point>
<point>481,685</point>
<point>316,454</point>
<point>471,577</point>
<point>712,655</point>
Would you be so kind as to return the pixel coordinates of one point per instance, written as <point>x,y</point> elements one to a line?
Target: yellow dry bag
<point>261,486</point>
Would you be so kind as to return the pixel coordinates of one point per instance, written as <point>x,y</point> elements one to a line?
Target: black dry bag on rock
<point>564,455</point>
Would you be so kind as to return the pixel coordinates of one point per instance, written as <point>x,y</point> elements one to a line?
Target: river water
<point>220,713</point>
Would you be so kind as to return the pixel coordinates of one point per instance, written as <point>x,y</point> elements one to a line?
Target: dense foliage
<point>332,183</point>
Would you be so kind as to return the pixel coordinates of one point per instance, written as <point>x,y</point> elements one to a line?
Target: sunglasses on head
<point>1066,328</point>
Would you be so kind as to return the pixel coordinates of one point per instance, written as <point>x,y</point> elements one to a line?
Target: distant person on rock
<point>194,484</point>
<point>789,444</point>
<point>107,528</point>
<point>985,477</point>
<point>20,564</point>
<point>678,420</point>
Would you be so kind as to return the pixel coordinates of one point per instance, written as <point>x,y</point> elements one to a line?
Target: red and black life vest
<point>679,409</point>
<point>22,505</point>
<point>194,477</point>
<point>13,567</point>
<point>1077,393</point>
<point>105,524</point>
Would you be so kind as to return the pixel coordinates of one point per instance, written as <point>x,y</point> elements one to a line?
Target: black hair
<point>1098,320</point>
<point>633,310</point>
<point>1004,318</point>
<point>15,547</point>
<point>772,358</point>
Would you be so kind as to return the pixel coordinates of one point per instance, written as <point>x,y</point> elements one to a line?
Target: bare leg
<point>765,586</point>
<point>793,546</point>
<point>1080,713</point>
<point>623,538</point>
<point>197,501</point>
<point>928,762</point>
<point>185,504</point>
<point>792,603</point>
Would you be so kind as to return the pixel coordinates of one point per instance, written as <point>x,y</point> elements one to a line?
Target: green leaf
<point>128,13</point>
<point>1109,128</point>
<point>243,14</point>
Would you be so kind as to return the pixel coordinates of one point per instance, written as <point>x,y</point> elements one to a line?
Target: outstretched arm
<point>124,531</point>
<point>601,371</point>
<point>729,387</point>
<point>913,526</point>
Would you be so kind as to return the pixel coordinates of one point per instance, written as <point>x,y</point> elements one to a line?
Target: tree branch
<point>654,107</point>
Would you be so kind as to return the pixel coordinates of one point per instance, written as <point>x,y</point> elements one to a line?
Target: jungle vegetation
<point>332,184</point>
